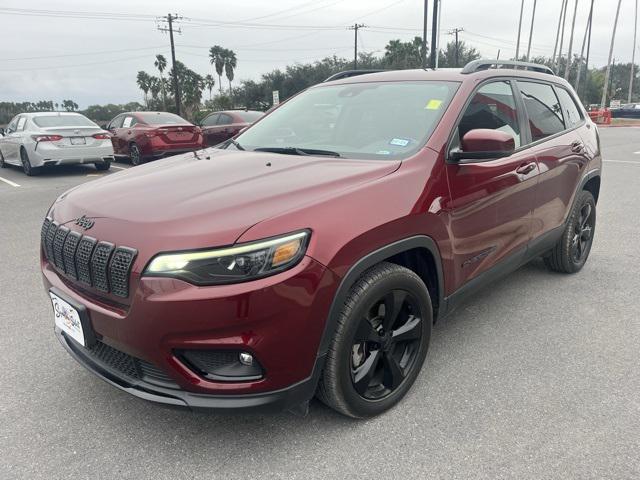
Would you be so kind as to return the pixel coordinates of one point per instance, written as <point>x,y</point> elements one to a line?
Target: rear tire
<point>26,165</point>
<point>3,164</point>
<point>572,250</point>
<point>101,167</point>
<point>380,342</point>
<point>135,155</point>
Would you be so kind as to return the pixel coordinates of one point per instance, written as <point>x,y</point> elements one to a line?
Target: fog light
<point>246,359</point>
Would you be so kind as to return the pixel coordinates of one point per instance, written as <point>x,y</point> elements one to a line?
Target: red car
<point>313,257</point>
<point>220,126</point>
<point>143,136</point>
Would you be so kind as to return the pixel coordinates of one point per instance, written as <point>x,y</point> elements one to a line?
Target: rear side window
<point>493,106</point>
<point>543,107</point>
<point>225,119</point>
<point>570,111</point>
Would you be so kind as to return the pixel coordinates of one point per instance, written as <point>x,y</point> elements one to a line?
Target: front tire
<point>26,165</point>
<point>380,342</point>
<point>572,250</point>
<point>3,164</point>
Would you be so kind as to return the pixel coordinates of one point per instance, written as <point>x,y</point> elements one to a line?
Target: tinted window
<point>570,111</point>
<point>210,120</point>
<point>13,123</point>
<point>370,120</point>
<point>225,119</point>
<point>116,122</point>
<point>494,107</point>
<point>543,107</point>
<point>249,117</point>
<point>46,121</point>
<point>162,118</point>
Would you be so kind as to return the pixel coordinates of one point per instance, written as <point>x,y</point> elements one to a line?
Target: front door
<point>491,201</point>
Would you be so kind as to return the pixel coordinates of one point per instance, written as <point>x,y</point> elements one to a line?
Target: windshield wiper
<point>234,143</point>
<point>297,151</point>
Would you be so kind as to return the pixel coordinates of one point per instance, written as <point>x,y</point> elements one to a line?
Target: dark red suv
<point>220,126</point>
<point>142,136</point>
<point>312,254</point>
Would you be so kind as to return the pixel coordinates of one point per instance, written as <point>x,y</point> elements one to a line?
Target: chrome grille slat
<point>101,265</point>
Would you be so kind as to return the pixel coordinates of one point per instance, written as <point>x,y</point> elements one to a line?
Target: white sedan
<point>33,140</point>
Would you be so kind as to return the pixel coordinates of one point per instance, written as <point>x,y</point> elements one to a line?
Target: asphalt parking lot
<point>536,377</point>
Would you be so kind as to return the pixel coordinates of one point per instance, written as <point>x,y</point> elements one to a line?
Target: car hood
<point>210,197</point>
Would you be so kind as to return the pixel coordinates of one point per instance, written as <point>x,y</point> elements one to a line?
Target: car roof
<point>447,74</point>
<point>42,114</point>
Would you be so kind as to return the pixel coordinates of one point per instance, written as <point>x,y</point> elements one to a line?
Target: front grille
<point>100,265</point>
<point>127,365</point>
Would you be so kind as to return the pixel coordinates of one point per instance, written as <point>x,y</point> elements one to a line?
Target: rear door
<point>559,149</point>
<point>115,128</point>
<point>209,125</point>
<point>10,141</point>
<point>491,201</point>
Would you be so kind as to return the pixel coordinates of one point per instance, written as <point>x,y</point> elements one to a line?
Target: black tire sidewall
<point>26,163</point>
<point>139,158</point>
<point>569,264</point>
<point>359,406</point>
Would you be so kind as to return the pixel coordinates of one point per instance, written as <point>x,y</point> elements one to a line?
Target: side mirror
<point>484,144</point>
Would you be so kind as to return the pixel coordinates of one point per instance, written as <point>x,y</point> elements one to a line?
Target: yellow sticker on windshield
<point>433,105</point>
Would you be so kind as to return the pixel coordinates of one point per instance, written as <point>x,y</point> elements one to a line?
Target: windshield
<point>249,117</point>
<point>381,120</point>
<point>48,121</point>
<point>162,118</point>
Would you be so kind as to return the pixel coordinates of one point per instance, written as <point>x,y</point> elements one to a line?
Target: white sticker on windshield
<point>399,142</point>
<point>383,152</point>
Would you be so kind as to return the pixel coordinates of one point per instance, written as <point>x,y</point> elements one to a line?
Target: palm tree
<point>230,63</point>
<point>144,82</point>
<point>217,57</point>
<point>161,65</point>
<point>209,82</point>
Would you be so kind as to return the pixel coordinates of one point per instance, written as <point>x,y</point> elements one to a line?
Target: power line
<point>104,52</point>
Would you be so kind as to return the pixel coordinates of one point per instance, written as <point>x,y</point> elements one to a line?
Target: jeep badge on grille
<point>84,222</point>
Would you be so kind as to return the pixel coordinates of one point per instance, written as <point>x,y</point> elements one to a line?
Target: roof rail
<point>350,73</point>
<point>478,65</point>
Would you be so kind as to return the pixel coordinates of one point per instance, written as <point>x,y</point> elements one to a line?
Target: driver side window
<point>12,125</point>
<point>493,106</point>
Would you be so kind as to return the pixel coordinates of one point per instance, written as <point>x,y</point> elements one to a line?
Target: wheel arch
<point>418,253</point>
<point>592,184</point>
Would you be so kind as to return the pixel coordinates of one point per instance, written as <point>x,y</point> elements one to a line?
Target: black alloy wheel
<point>26,164</point>
<point>386,345</point>
<point>583,233</point>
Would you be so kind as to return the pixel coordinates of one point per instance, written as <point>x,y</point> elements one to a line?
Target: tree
<point>209,83</point>
<point>69,105</point>
<point>161,64</point>
<point>192,86</point>
<point>401,55</point>
<point>144,83</point>
<point>230,63</point>
<point>466,54</point>
<point>216,56</point>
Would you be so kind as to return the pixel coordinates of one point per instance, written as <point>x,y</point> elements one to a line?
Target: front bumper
<point>279,320</point>
<point>278,400</point>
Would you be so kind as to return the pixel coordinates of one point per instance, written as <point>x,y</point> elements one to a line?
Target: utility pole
<point>437,46</point>
<point>586,60</point>
<point>434,34</point>
<point>608,72</point>
<point>584,42</point>
<point>519,30</point>
<point>424,34</point>
<point>567,69</point>
<point>555,46</point>
<point>564,18</point>
<point>355,28</point>
<point>633,55</point>
<point>455,32</point>
<point>533,17</point>
<point>170,19</point>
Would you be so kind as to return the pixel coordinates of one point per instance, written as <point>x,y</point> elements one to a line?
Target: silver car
<point>33,140</point>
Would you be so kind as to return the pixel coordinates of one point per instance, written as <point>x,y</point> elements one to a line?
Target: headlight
<point>239,263</point>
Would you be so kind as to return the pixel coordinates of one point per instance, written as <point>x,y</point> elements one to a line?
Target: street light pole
<point>567,69</point>
<point>633,55</point>
<point>608,72</point>
<point>519,30</point>
<point>424,34</point>
<point>533,17</point>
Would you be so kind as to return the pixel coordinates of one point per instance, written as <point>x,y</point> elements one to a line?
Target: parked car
<point>629,110</point>
<point>35,140</point>
<point>315,260</point>
<point>220,126</point>
<point>143,136</point>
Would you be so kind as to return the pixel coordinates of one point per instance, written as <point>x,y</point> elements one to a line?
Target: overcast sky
<point>52,55</point>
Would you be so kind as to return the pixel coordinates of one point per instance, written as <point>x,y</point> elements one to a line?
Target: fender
<point>356,270</point>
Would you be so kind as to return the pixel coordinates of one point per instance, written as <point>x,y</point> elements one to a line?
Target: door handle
<point>526,168</point>
<point>577,146</point>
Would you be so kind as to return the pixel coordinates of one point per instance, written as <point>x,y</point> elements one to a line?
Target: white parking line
<point>622,161</point>
<point>9,182</point>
